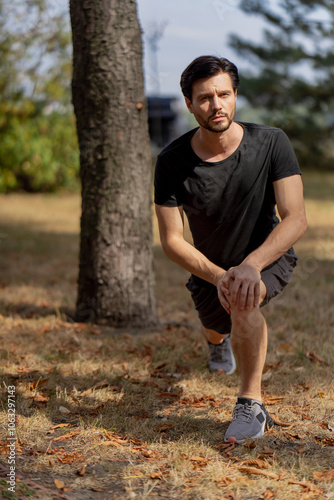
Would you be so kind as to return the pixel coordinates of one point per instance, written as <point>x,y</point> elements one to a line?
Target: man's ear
<point>188,104</point>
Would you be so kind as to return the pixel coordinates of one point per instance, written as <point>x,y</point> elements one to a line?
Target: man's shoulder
<point>178,145</point>
<point>259,128</point>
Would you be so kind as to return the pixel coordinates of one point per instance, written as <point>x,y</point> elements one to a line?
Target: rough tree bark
<point>116,282</point>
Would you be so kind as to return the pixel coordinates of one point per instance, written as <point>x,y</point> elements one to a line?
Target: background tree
<point>292,81</point>
<point>115,277</point>
<point>38,147</point>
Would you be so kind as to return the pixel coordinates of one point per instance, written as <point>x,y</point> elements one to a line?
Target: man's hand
<point>221,295</point>
<point>240,286</point>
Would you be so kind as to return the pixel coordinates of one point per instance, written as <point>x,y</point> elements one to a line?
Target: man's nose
<point>216,103</point>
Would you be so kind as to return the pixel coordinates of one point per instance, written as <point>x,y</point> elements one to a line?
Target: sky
<point>192,28</point>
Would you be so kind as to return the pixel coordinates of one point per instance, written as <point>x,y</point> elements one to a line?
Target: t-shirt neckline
<point>220,161</point>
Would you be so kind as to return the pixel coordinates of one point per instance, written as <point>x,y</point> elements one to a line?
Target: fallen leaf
<point>267,452</point>
<point>163,427</point>
<point>69,435</point>
<point>100,385</point>
<point>58,426</point>
<point>82,471</point>
<point>327,475</point>
<point>271,400</point>
<point>268,494</point>
<point>59,484</point>
<point>249,444</point>
<point>279,422</point>
<point>326,441</point>
<point>254,470</point>
<point>223,481</point>
<point>326,426</point>
<point>110,443</point>
<point>169,394</point>
<point>70,458</point>
<point>300,412</point>
<point>38,383</point>
<point>39,398</point>
<point>307,485</point>
<point>291,437</point>
<point>272,365</point>
<point>148,453</point>
<point>305,387</point>
<point>156,475</point>
<point>199,459</point>
<point>308,495</point>
<point>262,464</point>
<point>313,356</point>
<point>225,446</point>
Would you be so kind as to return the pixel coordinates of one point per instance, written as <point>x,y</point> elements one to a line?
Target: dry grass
<point>145,419</point>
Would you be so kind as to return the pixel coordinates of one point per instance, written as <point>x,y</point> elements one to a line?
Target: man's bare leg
<point>249,340</point>
<point>249,343</point>
<point>213,336</point>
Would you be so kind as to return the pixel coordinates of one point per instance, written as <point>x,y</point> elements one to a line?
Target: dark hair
<point>205,66</point>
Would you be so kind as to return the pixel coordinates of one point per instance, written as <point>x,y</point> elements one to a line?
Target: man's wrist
<point>218,277</point>
<point>252,261</point>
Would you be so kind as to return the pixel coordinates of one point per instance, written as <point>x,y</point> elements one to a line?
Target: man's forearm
<point>284,235</point>
<point>185,255</point>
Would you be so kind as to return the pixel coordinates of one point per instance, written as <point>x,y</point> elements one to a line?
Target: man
<point>227,177</point>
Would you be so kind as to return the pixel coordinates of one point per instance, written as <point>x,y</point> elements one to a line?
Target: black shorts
<point>210,311</point>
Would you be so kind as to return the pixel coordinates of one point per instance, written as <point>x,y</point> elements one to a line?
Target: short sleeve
<point>284,162</point>
<point>164,185</point>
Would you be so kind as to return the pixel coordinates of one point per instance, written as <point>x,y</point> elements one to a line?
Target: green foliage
<point>292,82</point>
<point>38,151</point>
<point>38,147</point>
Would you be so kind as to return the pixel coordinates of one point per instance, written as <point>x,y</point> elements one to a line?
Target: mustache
<point>215,115</point>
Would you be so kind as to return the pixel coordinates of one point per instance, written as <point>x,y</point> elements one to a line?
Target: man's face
<point>213,102</point>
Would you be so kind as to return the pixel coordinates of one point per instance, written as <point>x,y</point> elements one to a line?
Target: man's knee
<point>247,319</point>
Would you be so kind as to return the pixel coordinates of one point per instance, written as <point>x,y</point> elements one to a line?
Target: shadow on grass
<point>45,364</point>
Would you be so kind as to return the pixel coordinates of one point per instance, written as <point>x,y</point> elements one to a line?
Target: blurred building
<point>163,120</point>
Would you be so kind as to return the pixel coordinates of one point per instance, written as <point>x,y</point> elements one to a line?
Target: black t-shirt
<point>230,204</point>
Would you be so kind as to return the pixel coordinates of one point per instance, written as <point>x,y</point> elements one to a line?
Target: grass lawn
<point>106,414</point>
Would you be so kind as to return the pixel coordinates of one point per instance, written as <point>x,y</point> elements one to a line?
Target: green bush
<point>38,150</point>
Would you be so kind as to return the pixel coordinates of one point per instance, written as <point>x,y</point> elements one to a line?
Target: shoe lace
<point>242,413</point>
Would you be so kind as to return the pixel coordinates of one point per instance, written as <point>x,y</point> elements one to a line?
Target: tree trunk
<point>116,282</point>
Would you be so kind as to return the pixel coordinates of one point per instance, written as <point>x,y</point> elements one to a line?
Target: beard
<point>216,127</point>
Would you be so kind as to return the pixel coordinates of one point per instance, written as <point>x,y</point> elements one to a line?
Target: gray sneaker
<point>221,357</point>
<point>250,420</point>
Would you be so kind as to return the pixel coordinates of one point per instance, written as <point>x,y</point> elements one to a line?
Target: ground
<point>108,414</point>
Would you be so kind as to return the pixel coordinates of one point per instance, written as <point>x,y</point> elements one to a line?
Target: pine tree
<point>292,77</point>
